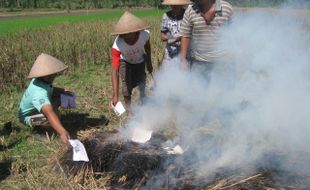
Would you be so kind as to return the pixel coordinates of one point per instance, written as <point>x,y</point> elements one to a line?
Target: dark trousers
<point>132,75</point>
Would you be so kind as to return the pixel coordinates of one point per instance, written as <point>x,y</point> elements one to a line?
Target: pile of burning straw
<point>148,165</point>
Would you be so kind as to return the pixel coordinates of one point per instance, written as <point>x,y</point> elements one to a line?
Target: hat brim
<point>130,31</point>
<point>176,3</point>
<point>47,74</point>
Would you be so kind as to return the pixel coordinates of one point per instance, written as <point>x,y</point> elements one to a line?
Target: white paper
<point>118,108</point>
<point>141,135</point>
<point>79,152</point>
<point>176,150</point>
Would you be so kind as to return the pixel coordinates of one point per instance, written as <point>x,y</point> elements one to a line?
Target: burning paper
<point>79,152</point>
<point>141,135</point>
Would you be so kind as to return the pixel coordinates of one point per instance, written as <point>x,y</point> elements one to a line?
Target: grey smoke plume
<point>255,103</point>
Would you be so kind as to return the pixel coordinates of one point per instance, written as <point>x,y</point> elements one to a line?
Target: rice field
<point>77,40</point>
<point>13,25</point>
<point>83,42</point>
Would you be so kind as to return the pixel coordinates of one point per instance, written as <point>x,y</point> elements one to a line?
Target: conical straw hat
<point>46,65</point>
<point>129,23</point>
<point>176,2</point>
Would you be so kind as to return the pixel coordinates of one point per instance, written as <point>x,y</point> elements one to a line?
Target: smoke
<point>254,103</point>
<point>297,3</point>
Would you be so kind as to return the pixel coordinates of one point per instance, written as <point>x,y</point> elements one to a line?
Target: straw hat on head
<point>46,65</point>
<point>176,2</point>
<point>129,23</point>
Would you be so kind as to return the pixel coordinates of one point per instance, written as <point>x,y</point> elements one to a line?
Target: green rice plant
<point>13,25</point>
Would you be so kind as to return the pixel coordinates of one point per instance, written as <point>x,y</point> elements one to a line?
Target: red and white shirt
<point>132,53</point>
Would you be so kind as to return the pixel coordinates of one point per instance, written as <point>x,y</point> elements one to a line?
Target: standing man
<point>200,31</point>
<point>131,53</point>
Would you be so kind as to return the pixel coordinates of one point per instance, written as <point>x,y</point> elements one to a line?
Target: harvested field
<point>131,165</point>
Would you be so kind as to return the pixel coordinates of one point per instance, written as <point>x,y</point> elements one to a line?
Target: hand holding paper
<point>118,108</point>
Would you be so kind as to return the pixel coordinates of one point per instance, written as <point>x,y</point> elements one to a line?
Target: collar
<point>44,82</point>
<point>133,41</point>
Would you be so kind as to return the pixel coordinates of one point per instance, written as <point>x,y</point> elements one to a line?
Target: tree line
<point>83,4</point>
<point>77,4</point>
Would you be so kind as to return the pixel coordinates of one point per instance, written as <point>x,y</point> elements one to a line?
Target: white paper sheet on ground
<point>176,150</point>
<point>141,135</point>
<point>79,152</point>
<point>118,108</point>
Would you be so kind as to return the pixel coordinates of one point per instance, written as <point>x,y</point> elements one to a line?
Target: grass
<point>27,155</point>
<point>16,25</point>
<point>30,153</point>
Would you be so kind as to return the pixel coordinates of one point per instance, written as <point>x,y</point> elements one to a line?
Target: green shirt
<point>37,95</point>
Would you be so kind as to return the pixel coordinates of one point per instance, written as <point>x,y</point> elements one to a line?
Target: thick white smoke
<point>255,103</point>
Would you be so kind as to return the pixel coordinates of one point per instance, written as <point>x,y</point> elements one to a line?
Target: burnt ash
<point>148,166</point>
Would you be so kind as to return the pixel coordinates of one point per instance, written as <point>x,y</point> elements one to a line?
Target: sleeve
<point>40,99</point>
<point>164,24</point>
<point>116,58</point>
<point>228,12</point>
<point>145,35</point>
<point>186,24</point>
<point>231,14</point>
